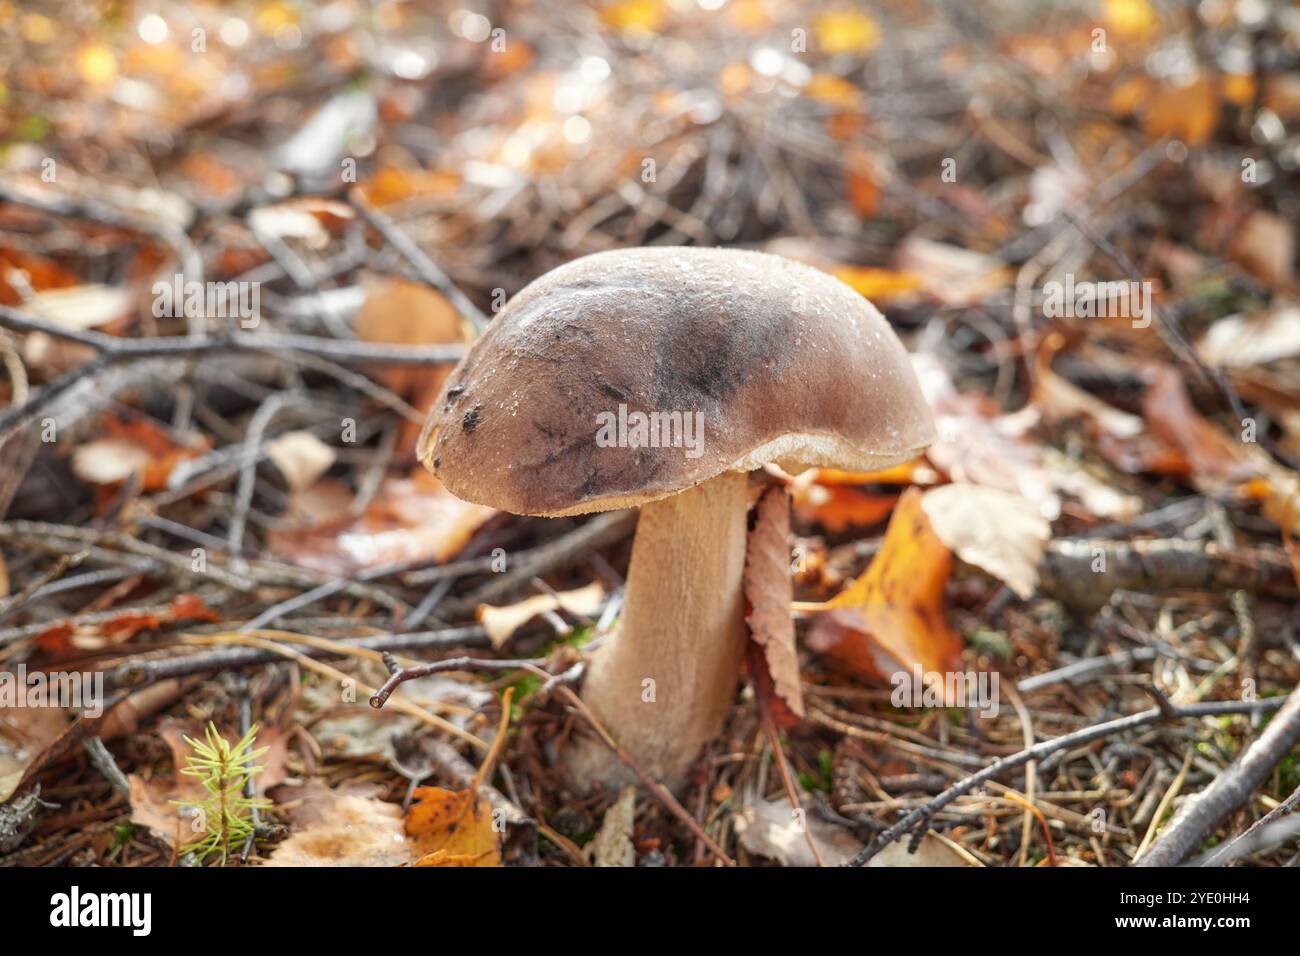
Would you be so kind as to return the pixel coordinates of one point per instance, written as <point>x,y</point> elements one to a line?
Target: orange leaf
<point>1189,113</point>
<point>455,827</point>
<point>394,184</point>
<point>864,197</point>
<point>904,474</point>
<point>893,617</point>
<point>839,507</point>
<point>834,91</point>
<point>135,446</point>
<point>397,312</point>
<point>121,628</point>
<point>878,283</point>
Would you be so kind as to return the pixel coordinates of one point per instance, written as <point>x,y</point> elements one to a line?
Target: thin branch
<point>423,265</point>
<point>1229,790</point>
<point>1046,748</point>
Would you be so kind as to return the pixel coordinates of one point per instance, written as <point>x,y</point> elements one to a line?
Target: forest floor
<point>1081,224</point>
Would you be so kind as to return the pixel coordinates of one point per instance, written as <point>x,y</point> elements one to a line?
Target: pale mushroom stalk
<point>663,687</point>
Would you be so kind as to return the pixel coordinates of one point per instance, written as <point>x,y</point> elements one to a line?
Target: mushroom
<point>658,378</point>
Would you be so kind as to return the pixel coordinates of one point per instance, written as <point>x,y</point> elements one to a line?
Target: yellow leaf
<point>455,827</point>
<point>846,31</point>
<point>1129,18</point>
<point>96,64</point>
<point>634,16</point>
<point>878,283</point>
<point>275,15</point>
<point>834,91</point>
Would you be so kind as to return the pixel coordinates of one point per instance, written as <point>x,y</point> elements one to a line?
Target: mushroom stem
<point>664,684</point>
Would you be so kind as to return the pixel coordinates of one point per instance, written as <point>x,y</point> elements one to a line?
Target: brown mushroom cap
<point>785,363</point>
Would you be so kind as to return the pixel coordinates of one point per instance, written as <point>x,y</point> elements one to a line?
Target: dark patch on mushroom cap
<point>769,352</point>
<point>470,421</point>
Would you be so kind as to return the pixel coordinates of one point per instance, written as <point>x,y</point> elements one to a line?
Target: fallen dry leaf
<point>933,851</point>
<point>995,530</point>
<point>975,443</point>
<point>892,618</point>
<point>774,829</point>
<point>1265,246</point>
<point>1241,340</point>
<point>397,312</point>
<point>1061,400</point>
<point>457,827</point>
<point>392,184</point>
<point>138,446</point>
<point>612,844</point>
<point>453,828</point>
<point>301,457</point>
<point>1213,456</point>
<point>25,734</point>
<point>411,518</point>
<point>879,285</point>
<point>844,31</point>
<point>1131,19</point>
<point>1188,113</point>
<point>342,828</point>
<point>838,507</point>
<point>117,630</point>
<point>81,307</point>
<point>769,591</point>
<point>953,275</point>
<point>35,272</point>
<point>635,16</point>
<point>502,622</point>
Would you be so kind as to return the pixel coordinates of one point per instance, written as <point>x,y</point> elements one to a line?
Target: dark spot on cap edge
<point>470,421</point>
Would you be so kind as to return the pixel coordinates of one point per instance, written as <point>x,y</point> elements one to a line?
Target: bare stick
<point>1157,565</point>
<point>1046,748</point>
<point>553,555</point>
<point>423,265</point>
<point>398,675</point>
<point>113,349</point>
<point>1229,790</point>
<point>137,673</point>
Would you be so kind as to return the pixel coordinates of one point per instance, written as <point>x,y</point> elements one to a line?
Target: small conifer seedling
<point>225,812</point>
